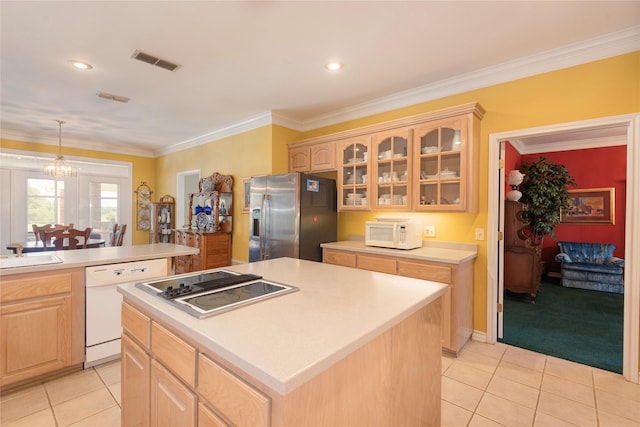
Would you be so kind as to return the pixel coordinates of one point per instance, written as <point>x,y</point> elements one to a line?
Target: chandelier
<point>60,168</point>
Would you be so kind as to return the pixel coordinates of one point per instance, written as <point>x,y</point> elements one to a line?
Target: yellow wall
<point>603,88</point>
<point>261,151</point>
<point>143,169</point>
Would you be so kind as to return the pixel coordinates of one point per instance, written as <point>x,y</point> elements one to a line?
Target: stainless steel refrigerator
<point>290,215</point>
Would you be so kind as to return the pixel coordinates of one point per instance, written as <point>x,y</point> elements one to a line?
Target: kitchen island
<point>42,309</point>
<point>351,347</point>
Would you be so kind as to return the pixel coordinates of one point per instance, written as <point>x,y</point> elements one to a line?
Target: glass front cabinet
<point>392,170</point>
<point>353,174</point>
<point>441,175</point>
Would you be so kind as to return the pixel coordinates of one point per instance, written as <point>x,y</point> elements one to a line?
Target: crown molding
<point>250,123</point>
<point>613,44</point>
<point>70,142</point>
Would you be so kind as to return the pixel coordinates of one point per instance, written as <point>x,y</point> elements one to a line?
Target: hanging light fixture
<point>60,168</point>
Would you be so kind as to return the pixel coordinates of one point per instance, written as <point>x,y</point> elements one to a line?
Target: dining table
<point>39,246</point>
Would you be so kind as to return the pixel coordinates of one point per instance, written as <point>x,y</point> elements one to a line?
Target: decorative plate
<point>207,185</point>
<point>202,220</point>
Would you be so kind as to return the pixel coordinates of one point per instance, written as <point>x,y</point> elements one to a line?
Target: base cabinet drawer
<point>345,259</point>
<point>377,263</point>
<point>174,353</point>
<point>236,400</point>
<point>425,271</point>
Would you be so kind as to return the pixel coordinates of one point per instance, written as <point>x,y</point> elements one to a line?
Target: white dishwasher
<point>103,303</point>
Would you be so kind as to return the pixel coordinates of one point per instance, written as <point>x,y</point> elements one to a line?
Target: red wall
<point>592,168</point>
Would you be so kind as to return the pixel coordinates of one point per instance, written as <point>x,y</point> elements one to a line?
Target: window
<point>45,203</point>
<point>98,197</point>
<point>103,208</point>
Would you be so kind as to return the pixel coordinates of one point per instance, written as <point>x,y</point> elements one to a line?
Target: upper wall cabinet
<point>392,170</point>
<point>426,162</point>
<point>313,158</point>
<point>353,172</point>
<point>442,169</point>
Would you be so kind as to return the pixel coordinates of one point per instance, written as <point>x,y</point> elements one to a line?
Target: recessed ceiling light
<point>81,65</point>
<point>333,66</point>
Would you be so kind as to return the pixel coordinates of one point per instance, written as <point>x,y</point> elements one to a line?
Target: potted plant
<point>544,191</point>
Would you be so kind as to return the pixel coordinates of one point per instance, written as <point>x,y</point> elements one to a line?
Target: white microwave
<point>393,234</point>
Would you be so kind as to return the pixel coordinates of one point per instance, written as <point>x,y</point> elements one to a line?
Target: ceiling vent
<point>154,60</point>
<point>106,95</point>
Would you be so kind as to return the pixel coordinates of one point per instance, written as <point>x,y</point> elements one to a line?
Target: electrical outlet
<point>479,233</point>
<point>429,231</point>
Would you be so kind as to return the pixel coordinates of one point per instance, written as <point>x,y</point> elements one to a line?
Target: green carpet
<point>573,324</point>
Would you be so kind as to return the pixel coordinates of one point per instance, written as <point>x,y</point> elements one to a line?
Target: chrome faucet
<point>18,248</point>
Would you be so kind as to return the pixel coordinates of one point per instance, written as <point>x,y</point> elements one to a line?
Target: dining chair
<point>71,235</point>
<point>38,230</point>
<point>118,234</point>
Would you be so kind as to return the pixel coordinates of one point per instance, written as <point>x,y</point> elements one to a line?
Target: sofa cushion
<point>593,253</point>
<point>591,275</point>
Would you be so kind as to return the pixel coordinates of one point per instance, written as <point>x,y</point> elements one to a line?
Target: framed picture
<point>590,206</point>
<point>246,200</point>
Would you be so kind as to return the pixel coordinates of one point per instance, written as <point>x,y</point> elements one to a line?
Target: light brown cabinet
<point>457,303</point>
<point>313,157</point>
<point>41,324</point>
<point>215,250</point>
<point>392,170</point>
<point>377,382</point>
<point>426,162</point>
<point>353,171</point>
<point>445,158</point>
<point>166,381</point>
<point>172,403</point>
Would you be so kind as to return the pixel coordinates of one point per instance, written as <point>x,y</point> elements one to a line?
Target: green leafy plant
<point>544,191</point>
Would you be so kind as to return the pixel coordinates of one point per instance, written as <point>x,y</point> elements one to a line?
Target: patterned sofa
<point>591,266</point>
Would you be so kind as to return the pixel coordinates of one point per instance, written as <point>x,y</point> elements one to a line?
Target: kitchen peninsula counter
<point>81,258</point>
<point>350,347</point>
<point>444,252</point>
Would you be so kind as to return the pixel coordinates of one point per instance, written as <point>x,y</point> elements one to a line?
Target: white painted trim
<point>631,346</point>
<point>244,125</point>
<point>612,44</point>
<point>479,336</point>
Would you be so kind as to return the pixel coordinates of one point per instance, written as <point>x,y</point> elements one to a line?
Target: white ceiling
<point>245,64</point>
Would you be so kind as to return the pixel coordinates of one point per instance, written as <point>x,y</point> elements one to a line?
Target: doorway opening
<point>571,136</point>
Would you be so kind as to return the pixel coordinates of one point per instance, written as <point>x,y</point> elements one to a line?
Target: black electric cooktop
<point>206,294</point>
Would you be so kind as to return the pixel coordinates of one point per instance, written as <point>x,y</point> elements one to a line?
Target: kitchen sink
<point>28,260</point>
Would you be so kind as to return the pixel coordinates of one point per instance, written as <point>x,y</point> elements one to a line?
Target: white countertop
<point>287,340</point>
<point>446,252</point>
<point>101,256</point>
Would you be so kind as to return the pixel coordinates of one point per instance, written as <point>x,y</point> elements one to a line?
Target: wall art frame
<point>246,195</point>
<point>590,206</point>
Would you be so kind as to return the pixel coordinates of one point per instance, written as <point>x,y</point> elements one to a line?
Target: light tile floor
<point>485,386</point>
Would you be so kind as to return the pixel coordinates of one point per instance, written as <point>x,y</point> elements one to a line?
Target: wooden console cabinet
<point>522,260</point>
<point>41,324</point>
<point>457,303</point>
<point>215,250</point>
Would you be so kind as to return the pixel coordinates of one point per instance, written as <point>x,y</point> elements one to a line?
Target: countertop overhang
<point>286,341</point>
<point>445,252</point>
<point>80,258</point>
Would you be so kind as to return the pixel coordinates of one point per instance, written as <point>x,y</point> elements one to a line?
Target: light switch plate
<point>429,231</point>
<point>479,233</point>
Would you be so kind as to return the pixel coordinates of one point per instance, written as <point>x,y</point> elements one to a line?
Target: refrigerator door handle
<point>265,213</point>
